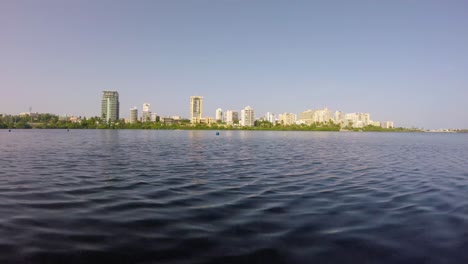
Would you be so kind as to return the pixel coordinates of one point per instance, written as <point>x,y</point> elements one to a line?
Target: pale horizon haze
<point>405,61</point>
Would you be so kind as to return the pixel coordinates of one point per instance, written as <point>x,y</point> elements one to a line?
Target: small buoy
<point>9,130</point>
<point>217,133</point>
<point>68,130</point>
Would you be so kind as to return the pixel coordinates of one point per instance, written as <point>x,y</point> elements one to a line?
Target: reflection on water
<point>117,196</point>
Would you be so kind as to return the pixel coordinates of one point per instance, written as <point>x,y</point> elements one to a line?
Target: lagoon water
<point>120,196</point>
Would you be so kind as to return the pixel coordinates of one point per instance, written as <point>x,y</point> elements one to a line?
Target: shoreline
<point>237,129</point>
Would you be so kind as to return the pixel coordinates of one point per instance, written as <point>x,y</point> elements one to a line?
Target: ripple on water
<point>243,197</point>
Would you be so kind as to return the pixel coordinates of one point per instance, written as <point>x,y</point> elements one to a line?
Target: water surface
<point>118,196</point>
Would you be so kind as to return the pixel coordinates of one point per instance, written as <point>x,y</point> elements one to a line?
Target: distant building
<point>219,115</point>
<point>358,119</point>
<point>146,113</point>
<point>133,115</point>
<point>338,117</point>
<point>207,120</point>
<point>270,117</point>
<point>110,106</point>
<point>196,109</point>
<point>322,115</point>
<point>168,120</point>
<point>32,116</point>
<point>375,123</point>
<point>231,117</point>
<point>306,117</point>
<point>387,124</point>
<point>287,119</point>
<point>154,117</point>
<point>247,117</point>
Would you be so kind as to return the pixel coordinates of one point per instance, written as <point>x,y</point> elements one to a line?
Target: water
<point>241,197</point>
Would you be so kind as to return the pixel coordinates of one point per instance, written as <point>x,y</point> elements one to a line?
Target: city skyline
<point>399,60</point>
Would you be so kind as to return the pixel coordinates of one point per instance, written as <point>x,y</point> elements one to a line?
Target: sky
<point>399,60</point>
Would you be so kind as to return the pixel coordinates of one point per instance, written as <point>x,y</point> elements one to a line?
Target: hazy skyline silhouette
<point>404,61</point>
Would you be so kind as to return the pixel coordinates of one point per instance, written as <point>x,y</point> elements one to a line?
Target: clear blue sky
<point>405,61</point>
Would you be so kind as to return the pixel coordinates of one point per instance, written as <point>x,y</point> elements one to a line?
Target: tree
<point>22,125</point>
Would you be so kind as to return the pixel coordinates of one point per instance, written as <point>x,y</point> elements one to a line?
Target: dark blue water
<point>240,197</point>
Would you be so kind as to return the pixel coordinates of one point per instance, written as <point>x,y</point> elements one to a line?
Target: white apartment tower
<point>387,124</point>
<point>358,119</point>
<point>247,116</point>
<point>133,115</point>
<point>231,117</point>
<point>219,115</point>
<point>338,117</point>
<point>146,113</point>
<point>270,117</point>
<point>287,119</point>
<point>322,115</point>
<point>307,117</point>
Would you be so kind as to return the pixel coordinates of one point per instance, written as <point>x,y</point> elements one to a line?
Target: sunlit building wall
<point>110,106</point>
<point>247,117</point>
<point>196,109</point>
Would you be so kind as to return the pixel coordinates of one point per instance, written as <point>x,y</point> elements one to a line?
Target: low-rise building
<point>387,124</point>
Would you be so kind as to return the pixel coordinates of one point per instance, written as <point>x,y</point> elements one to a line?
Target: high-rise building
<point>322,115</point>
<point>133,115</point>
<point>358,119</point>
<point>154,117</point>
<point>339,117</point>
<point>219,115</point>
<point>110,106</point>
<point>247,117</point>
<point>270,117</point>
<point>307,117</point>
<point>235,116</point>
<point>287,119</point>
<point>196,109</point>
<point>146,113</point>
<point>231,117</point>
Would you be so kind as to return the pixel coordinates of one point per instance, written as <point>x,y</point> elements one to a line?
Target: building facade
<point>146,113</point>
<point>287,119</point>
<point>219,115</point>
<point>270,117</point>
<point>110,106</point>
<point>339,117</point>
<point>154,117</point>
<point>133,115</point>
<point>306,117</point>
<point>322,115</point>
<point>358,119</point>
<point>247,117</point>
<point>232,117</point>
<point>387,124</point>
<point>196,109</point>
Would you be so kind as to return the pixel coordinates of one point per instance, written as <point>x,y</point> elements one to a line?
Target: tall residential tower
<point>110,106</point>
<point>196,109</point>
<point>247,117</point>
<point>219,115</point>
<point>133,115</point>
<point>146,113</point>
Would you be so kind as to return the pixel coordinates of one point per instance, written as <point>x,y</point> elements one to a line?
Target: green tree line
<point>48,121</point>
